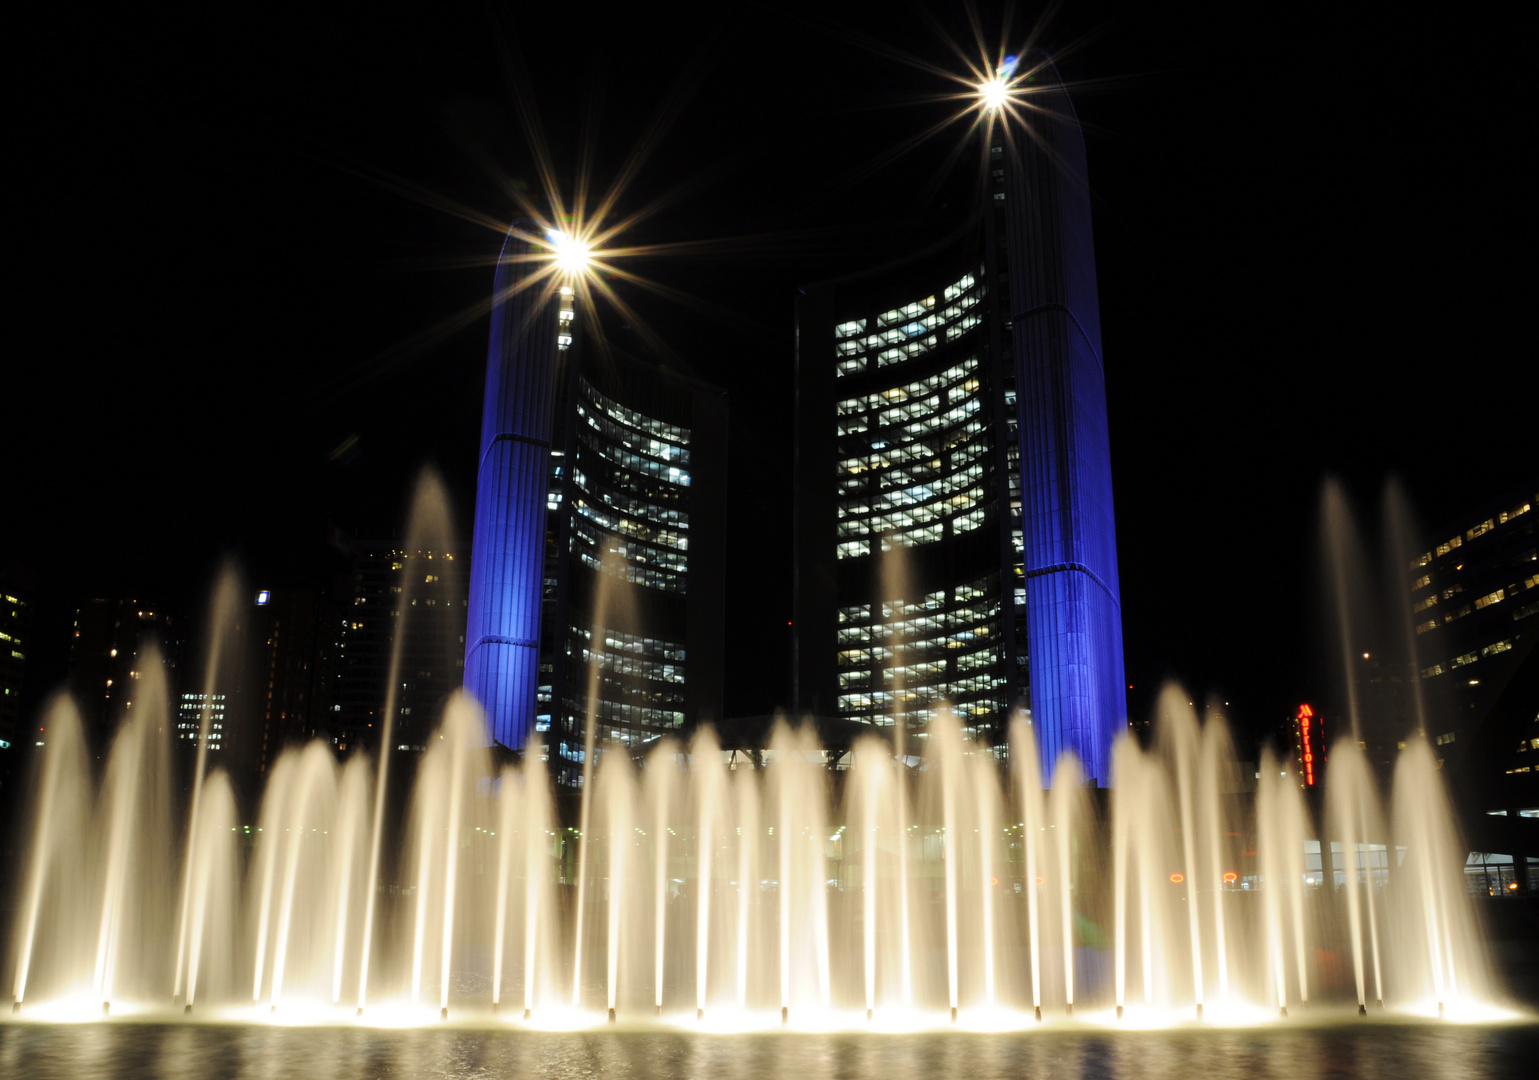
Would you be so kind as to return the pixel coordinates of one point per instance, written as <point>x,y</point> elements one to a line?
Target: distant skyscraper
<point>112,638</point>
<point>638,494</point>
<point>296,636</point>
<point>954,404</point>
<point>1474,595</point>
<point>431,656</point>
<point>16,621</point>
<point>190,707</point>
<point>592,464</point>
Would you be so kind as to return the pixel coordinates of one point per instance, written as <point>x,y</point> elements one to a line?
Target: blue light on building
<point>952,404</point>
<point>1073,600</point>
<point>502,636</point>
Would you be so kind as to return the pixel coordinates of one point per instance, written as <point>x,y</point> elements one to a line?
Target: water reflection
<point>183,1052</point>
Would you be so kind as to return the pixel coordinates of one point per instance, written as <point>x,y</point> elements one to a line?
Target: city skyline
<point>1188,409</point>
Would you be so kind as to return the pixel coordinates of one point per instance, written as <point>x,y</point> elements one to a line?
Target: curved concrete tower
<point>1073,600</point>
<point>502,636</point>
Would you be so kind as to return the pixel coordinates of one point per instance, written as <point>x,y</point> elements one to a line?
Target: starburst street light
<point>571,254</point>
<point>996,91</point>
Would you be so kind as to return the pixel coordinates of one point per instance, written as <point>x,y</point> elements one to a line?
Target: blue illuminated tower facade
<point>502,635</point>
<point>953,404</point>
<point>1073,599</point>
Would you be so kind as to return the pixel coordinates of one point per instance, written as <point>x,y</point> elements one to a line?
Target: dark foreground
<point>1396,1051</point>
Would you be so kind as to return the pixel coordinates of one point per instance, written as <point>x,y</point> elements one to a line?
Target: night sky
<point>237,239</point>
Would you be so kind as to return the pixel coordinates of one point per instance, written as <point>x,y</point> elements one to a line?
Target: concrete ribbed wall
<point>1073,601</point>
<point>502,638</point>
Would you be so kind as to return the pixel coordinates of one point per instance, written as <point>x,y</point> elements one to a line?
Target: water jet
<point>779,843</point>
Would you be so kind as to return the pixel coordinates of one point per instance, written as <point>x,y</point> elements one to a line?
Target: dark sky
<point>232,249</point>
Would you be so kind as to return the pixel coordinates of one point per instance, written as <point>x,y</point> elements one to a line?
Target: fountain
<point>1006,917</point>
<point>917,877</point>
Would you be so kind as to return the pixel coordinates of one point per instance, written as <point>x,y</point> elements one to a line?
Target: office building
<point>1474,595</point>
<point>17,604</point>
<point>952,404</point>
<point>387,585</point>
<point>112,640</point>
<point>598,560</point>
<point>296,636</point>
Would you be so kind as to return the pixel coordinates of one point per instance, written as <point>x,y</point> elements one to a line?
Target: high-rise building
<point>368,613</point>
<point>632,607</point>
<point>599,553</point>
<point>17,603</point>
<point>111,643</point>
<point>17,674</point>
<point>953,404</point>
<point>1474,595</point>
<point>191,707</point>
<point>297,635</point>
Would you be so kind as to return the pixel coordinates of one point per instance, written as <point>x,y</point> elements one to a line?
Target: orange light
<point>1041,880</point>
<point>1176,879</point>
<point>1512,886</point>
<point>1231,877</point>
<point>993,881</point>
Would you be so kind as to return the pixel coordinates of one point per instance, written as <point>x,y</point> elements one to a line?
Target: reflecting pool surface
<point>1402,1051</point>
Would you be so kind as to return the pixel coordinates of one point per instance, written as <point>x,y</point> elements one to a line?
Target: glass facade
<point>952,445</point>
<point>1474,594</point>
<point>622,500</point>
<point>599,552</point>
<point>917,466</point>
<point>630,481</point>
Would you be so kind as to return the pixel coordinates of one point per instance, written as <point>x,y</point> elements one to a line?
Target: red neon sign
<point>1310,734</point>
